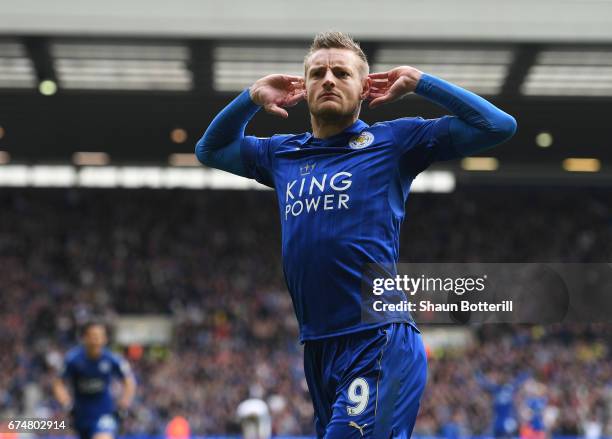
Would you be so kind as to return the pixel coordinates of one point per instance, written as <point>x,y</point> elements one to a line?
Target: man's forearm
<point>480,124</point>
<point>61,393</point>
<point>219,147</point>
<point>129,390</point>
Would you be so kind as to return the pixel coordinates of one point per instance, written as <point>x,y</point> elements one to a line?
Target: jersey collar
<point>357,127</point>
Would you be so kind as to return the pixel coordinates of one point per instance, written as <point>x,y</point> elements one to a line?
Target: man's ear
<point>365,88</point>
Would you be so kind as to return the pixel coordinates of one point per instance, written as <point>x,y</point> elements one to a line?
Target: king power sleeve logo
<point>314,193</point>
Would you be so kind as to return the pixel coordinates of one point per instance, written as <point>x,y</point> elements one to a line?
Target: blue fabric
<point>390,359</point>
<point>106,423</point>
<point>536,405</point>
<point>478,124</point>
<point>342,199</point>
<point>504,414</point>
<point>219,147</point>
<point>91,381</point>
<point>338,212</point>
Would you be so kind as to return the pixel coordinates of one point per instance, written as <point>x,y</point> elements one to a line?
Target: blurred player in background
<point>341,191</point>
<point>503,389</point>
<point>534,402</point>
<point>89,370</point>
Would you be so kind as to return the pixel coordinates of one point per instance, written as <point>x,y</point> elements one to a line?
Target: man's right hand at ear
<point>273,92</point>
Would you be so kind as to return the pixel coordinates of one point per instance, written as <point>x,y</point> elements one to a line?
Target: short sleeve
<point>121,367</point>
<point>256,153</point>
<point>422,142</point>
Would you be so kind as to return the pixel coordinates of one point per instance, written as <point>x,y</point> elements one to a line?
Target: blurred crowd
<point>211,261</point>
<point>519,380</point>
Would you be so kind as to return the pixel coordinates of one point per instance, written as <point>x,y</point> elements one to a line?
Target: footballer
<point>341,191</point>
<point>89,370</point>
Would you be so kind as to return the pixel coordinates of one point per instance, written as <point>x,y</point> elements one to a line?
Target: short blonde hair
<point>335,40</point>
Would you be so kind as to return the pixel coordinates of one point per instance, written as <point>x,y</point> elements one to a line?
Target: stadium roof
<point>139,100</point>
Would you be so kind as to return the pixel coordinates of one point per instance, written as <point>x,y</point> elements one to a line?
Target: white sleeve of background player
<point>122,367</point>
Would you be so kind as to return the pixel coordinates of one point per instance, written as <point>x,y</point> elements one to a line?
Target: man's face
<point>336,82</point>
<point>94,339</point>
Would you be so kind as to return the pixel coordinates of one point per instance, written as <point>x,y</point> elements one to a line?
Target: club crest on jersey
<point>104,366</point>
<point>365,138</point>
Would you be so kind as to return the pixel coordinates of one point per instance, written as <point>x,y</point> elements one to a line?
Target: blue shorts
<point>88,428</point>
<point>367,384</point>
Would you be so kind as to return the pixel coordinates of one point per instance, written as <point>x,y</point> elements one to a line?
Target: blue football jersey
<point>341,203</point>
<point>536,406</point>
<point>91,382</point>
<point>342,198</point>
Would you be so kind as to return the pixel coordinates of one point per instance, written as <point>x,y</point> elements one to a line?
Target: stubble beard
<point>332,114</point>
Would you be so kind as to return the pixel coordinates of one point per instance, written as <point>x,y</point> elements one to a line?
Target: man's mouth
<point>328,95</point>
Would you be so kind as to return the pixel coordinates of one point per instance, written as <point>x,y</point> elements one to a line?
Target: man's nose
<point>329,80</point>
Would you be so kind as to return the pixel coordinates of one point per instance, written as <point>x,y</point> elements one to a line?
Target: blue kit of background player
<point>341,192</point>
<point>89,369</point>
